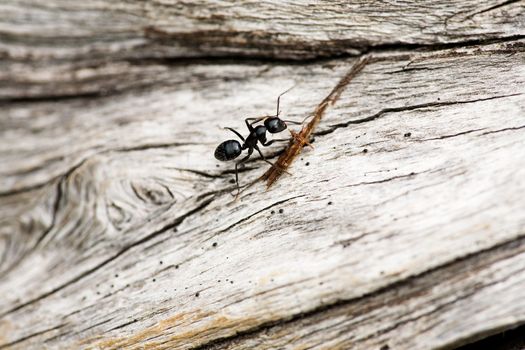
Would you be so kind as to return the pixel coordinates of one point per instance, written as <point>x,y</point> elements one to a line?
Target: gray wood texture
<point>403,228</point>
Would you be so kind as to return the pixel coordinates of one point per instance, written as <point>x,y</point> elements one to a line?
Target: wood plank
<point>132,204</point>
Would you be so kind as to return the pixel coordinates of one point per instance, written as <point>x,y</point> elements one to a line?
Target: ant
<point>231,149</point>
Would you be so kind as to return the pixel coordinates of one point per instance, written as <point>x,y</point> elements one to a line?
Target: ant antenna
<point>279,98</point>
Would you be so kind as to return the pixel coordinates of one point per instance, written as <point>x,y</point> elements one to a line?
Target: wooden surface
<point>403,228</point>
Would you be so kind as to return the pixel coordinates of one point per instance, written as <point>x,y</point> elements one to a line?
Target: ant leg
<point>249,125</point>
<point>256,120</point>
<point>250,151</point>
<point>267,161</point>
<point>262,156</point>
<point>268,143</point>
<point>297,123</point>
<point>236,133</point>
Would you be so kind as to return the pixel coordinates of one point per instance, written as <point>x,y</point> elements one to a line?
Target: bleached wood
<point>117,229</point>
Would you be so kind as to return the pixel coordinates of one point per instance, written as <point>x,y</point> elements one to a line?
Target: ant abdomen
<point>228,150</point>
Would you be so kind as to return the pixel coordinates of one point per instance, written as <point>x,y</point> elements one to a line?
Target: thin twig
<point>301,138</point>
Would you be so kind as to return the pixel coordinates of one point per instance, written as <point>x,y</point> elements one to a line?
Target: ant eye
<point>228,150</point>
<point>274,125</point>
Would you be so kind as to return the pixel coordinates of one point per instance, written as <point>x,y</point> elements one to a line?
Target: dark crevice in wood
<point>26,188</point>
<point>469,132</point>
<point>56,337</point>
<point>250,59</point>
<point>464,296</point>
<point>503,130</point>
<point>404,70</point>
<point>56,204</point>
<point>151,146</point>
<point>166,228</point>
<point>387,179</point>
<point>495,7</point>
<point>200,173</point>
<point>35,168</point>
<point>56,207</point>
<point>8,345</point>
<point>54,213</point>
<point>51,98</point>
<point>404,109</point>
<point>136,192</point>
<point>439,47</point>
<point>143,147</point>
<point>221,174</point>
<point>94,325</point>
<point>479,257</point>
<point>513,339</point>
<point>252,215</point>
<point>363,47</point>
<point>122,325</point>
<point>451,135</point>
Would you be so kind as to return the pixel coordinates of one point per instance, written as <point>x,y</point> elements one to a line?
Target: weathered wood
<point>67,48</point>
<point>404,226</point>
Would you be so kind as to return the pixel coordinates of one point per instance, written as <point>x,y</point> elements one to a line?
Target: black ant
<point>231,149</point>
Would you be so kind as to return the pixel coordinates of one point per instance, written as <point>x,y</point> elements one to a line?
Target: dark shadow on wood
<point>513,339</point>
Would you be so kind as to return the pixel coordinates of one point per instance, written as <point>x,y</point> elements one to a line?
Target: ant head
<point>274,125</point>
<point>228,150</point>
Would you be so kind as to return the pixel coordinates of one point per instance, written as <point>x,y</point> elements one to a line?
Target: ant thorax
<point>260,132</point>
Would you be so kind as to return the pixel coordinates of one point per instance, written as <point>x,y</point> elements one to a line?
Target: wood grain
<point>403,228</point>
<point>63,48</point>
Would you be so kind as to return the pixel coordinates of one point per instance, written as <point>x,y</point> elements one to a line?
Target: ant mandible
<point>231,149</point>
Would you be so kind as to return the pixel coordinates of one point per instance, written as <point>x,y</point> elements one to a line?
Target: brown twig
<point>301,138</point>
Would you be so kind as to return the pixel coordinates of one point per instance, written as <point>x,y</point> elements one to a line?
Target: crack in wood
<point>503,130</point>
<point>404,109</point>
<point>84,160</point>
<point>412,174</point>
<point>511,247</point>
<point>451,135</point>
<point>391,52</point>
<point>366,49</point>
<point>112,258</point>
<point>122,325</point>
<point>8,345</point>
<point>491,8</point>
<point>252,215</point>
